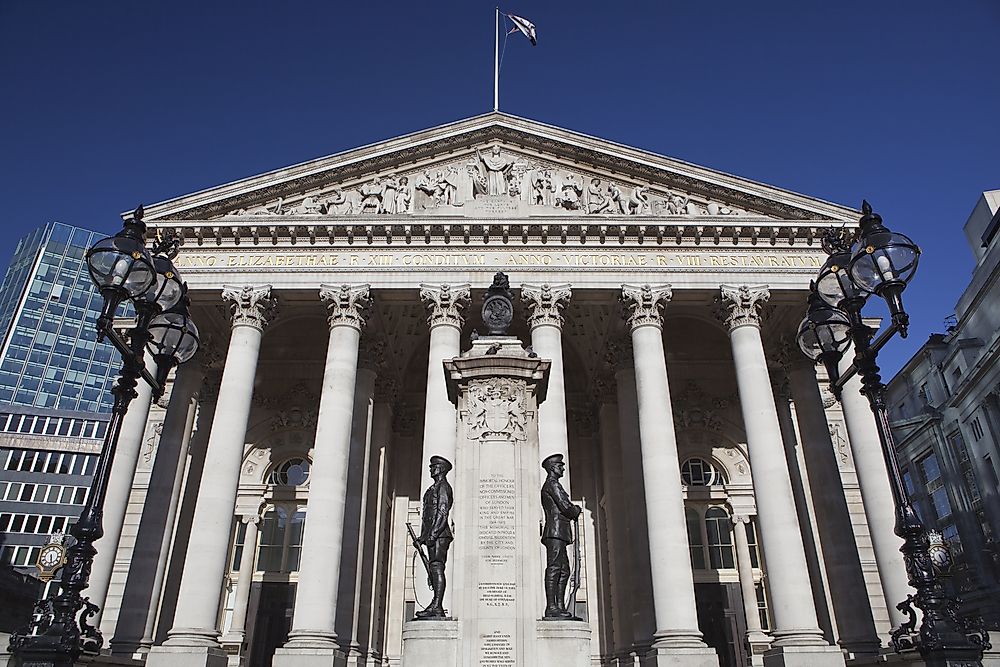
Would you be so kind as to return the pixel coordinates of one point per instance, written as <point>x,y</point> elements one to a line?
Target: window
<point>977,429</point>
<point>765,620</point>
<point>935,486</point>
<point>751,529</point>
<point>699,472</point>
<point>293,472</point>
<point>281,530</point>
<point>241,536</point>
<point>718,526</point>
<point>694,539</point>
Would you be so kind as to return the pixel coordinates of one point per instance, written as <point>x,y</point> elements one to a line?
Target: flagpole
<point>496,60</point>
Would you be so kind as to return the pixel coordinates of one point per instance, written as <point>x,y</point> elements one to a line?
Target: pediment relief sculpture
<point>492,180</point>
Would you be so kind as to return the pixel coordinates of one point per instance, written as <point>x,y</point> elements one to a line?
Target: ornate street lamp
<point>883,263</point>
<point>123,270</point>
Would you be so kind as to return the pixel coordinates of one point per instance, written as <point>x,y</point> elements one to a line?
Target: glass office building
<point>50,357</point>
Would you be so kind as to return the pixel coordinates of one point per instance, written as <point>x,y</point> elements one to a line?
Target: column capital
<point>445,303</point>
<point>545,303</point>
<point>645,304</point>
<point>741,304</point>
<point>251,305</point>
<point>737,519</point>
<point>348,305</point>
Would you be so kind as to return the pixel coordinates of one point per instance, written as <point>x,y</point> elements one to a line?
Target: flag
<point>525,26</point>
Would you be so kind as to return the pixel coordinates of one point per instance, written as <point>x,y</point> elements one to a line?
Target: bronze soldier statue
<point>435,533</point>
<point>556,535</point>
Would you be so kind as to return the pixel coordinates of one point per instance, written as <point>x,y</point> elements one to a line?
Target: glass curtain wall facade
<point>50,357</point>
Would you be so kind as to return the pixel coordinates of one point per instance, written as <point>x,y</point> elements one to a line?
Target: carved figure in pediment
<point>403,195</point>
<point>616,201</point>
<point>308,206</point>
<point>388,201</point>
<point>543,190</point>
<point>497,170</point>
<point>598,202</point>
<point>343,203</point>
<point>479,184</point>
<point>265,209</point>
<point>677,205</point>
<point>446,186</point>
<point>638,201</point>
<point>570,194</point>
<point>371,196</point>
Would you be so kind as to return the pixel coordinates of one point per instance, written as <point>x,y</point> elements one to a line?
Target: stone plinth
<point>430,643</point>
<point>187,656</point>
<point>804,656</point>
<point>564,643</point>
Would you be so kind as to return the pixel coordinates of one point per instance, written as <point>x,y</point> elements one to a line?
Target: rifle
<point>577,546</point>
<point>423,556</point>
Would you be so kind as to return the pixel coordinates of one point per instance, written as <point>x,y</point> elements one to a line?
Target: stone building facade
<point>945,411</point>
<point>262,508</point>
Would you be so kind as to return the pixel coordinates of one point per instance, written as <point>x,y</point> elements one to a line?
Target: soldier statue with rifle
<point>435,534</point>
<point>556,535</point>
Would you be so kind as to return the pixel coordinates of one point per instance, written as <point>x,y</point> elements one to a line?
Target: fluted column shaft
<point>196,615</point>
<point>445,305</point>
<point>545,304</point>
<point>145,578</point>
<point>119,489</point>
<point>673,583</point>
<point>793,610</point>
<point>873,479</point>
<point>322,546</point>
<point>248,560</point>
<point>833,518</point>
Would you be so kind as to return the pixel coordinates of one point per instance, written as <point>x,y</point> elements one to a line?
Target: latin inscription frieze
<point>685,259</point>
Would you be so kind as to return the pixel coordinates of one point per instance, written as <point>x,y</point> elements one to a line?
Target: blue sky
<point>108,104</point>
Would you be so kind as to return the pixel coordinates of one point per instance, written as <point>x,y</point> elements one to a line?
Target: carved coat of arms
<point>496,410</point>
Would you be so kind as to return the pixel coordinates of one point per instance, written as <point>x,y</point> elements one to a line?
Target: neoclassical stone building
<point>733,511</point>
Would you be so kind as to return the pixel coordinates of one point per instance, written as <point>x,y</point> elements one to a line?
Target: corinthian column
<point>677,637</point>
<point>545,304</point>
<point>444,304</point>
<point>796,626</point>
<point>195,632</point>
<point>313,639</point>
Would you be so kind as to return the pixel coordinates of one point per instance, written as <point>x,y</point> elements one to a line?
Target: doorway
<point>270,608</point>
<point>720,618</point>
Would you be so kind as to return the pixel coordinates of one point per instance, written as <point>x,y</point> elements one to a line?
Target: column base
<point>564,643</point>
<point>430,643</point>
<point>804,656</point>
<point>680,657</point>
<point>167,655</point>
<point>310,648</point>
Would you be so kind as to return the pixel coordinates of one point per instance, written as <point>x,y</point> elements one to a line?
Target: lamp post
<point>123,269</point>
<point>875,260</point>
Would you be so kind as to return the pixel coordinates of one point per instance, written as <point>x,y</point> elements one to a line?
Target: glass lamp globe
<point>884,262</point>
<point>169,287</point>
<point>121,264</point>
<point>173,336</point>
<point>825,333</point>
<point>834,284</point>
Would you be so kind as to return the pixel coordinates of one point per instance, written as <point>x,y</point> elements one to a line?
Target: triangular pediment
<point>495,165</point>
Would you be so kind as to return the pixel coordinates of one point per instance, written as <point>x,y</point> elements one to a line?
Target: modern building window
<point>936,490</point>
<point>977,429</point>
<point>281,532</point>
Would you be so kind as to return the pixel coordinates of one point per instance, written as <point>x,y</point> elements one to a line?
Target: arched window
<point>699,472</point>
<point>293,472</point>
<point>718,526</point>
<point>281,539</point>
<point>694,539</point>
